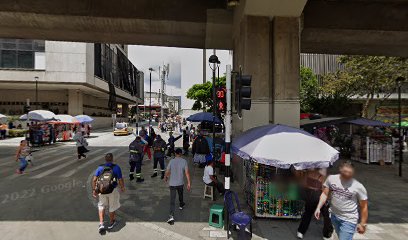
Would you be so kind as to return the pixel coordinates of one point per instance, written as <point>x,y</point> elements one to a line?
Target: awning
<point>369,122</point>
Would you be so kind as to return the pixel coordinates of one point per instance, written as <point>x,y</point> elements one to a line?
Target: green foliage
<point>17,132</point>
<point>202,94</point>
<point>314,99</point>
<point>309,89</point>
<point>366,76</point>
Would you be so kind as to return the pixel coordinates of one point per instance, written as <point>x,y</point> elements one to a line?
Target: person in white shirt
<point>210,179</point>
<point>348,202</point>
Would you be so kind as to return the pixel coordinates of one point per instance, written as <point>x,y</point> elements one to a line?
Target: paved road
<point>53,199</point>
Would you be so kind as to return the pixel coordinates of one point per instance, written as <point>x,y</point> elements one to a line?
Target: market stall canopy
<point>203,116</point>
<point>369,122</point>
<point>283,146</point>
<point>65,119</point>
<point>38,115</point>
<point>84,118</point>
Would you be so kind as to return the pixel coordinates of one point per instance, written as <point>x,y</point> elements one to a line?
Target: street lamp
<point>36,92</point>
<point>150,104</point>
<point>399,82</point>
<point>215,62</point>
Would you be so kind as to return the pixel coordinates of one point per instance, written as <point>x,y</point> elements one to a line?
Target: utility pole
<point>162,94</point>
<point>150,104</point>
<point>228,128</point>
<point>36,92</point>
<point>399,81</point>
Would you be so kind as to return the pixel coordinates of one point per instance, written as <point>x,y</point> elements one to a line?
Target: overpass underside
<point>267,36</point>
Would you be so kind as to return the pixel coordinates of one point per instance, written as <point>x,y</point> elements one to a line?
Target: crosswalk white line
<point>73,171</point>
<point>43,174</point>
<point>41,166</point>
<point>39,158</point>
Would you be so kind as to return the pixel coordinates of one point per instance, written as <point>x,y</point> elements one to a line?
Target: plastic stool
<point>208,192</point>
<point>216,216</point>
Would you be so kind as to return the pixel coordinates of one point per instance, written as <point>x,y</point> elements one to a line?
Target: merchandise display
<point>272,192</point>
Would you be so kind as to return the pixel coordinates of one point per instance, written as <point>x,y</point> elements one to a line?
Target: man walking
<point>312,189</point>
<point>104,183</point>
<point>175,172</point>
<point>200,150</point>
<point>135,159</point>
<point>159,149</point>
<point>346,195</point>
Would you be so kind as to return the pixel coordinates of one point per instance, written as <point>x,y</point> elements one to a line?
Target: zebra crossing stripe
<point>73,171</point>
<point>37,159</point>
<point>48,172</point>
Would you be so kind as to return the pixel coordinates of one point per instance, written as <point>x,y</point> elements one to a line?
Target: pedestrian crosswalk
<point>61,162</point>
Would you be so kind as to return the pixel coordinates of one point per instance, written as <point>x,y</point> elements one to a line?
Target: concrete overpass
<point>267,36</point>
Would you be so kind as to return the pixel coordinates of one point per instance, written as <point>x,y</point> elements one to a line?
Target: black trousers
<point>136,165</point>
<point>158,160</point>
<point>81,151</point>
<point>218,185</point>
<point>311,198</point>
<point>173,191</point>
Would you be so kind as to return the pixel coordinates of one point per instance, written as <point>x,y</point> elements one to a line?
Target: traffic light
<point>243,93</point>
<point>221,100</point>
<point>27,109</point>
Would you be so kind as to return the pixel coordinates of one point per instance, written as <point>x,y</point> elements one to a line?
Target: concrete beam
<point>355,42</point>
<point>271,8</point>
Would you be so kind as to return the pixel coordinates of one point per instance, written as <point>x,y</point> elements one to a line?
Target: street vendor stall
<point>274,156</point>
<point>370,143</point>
<point>64,125</point>
<point>40,131</point>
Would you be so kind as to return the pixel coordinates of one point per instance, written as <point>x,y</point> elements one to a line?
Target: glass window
<point>8,59</point>
<point>25,59</point>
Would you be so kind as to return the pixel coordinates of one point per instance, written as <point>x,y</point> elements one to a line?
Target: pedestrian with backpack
<point>135,159</point>
<point>104,185</point>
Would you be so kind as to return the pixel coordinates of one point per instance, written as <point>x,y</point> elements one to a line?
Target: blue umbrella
<point>84,118</point>
<point>203,116</point>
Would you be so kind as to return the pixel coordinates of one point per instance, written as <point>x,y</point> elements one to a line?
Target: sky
<point>186,67</point>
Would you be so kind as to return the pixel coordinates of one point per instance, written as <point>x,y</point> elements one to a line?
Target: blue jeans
<point>345,230</point>
<point>23,163</point>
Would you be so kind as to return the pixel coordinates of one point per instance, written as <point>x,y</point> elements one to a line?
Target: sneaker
<point>299,235</point>
<point>154,175</point>
<point>101,228</point>
<point>140,180</point>
<point>182,206</point>
<point>112,225</point>
<point>170,220</point>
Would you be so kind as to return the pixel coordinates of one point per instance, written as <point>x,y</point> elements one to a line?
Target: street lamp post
<point>150,103</point>
<point>215,62</point>
<point>399,81</point>
<point>36,92</point>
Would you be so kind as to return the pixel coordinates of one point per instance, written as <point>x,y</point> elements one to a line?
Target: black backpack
<point>104,183</point>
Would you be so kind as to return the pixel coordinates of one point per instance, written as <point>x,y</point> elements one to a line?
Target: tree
<point>309,89</point>
<point>202,94</point>
<point>366,76</point>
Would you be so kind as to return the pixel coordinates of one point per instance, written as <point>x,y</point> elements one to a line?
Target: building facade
<point>67,77</point>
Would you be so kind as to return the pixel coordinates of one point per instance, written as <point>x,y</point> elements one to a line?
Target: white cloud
<point>186,67</point>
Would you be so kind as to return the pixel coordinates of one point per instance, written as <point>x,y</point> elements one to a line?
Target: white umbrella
<point>3,117</point>
<point>38,115</point>
<point>64,118</point>
<point>282,146</point>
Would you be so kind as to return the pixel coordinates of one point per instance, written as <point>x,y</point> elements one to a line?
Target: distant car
<point>122,128</point>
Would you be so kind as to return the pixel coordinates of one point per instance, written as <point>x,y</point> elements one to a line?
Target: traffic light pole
<point>228,128</point>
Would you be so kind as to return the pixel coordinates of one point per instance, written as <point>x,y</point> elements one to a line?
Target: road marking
<point>36,156</point>
<point>43,174</point>
<point>40,166</point>
<point>73,171</point>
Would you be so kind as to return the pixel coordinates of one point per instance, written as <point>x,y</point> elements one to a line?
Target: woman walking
<point>81,144</point>
<point>22,152</point>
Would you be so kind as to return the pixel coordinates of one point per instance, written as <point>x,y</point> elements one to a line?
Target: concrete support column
<point>125,110</point>
<point>75,102</point>
<point>269,51</point>
<point>286,64</point>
